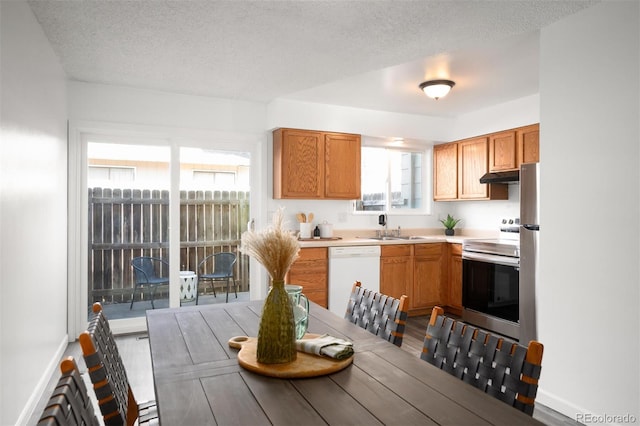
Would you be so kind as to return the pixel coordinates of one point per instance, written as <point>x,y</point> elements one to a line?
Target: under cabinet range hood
<point>501,177</point>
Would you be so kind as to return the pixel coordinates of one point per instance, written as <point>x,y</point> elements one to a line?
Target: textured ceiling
<point>367,54</point>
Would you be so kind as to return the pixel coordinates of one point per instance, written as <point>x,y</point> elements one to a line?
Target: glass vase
<point>277,333</point>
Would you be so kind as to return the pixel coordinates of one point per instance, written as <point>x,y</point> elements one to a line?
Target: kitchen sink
<point>401,237</point>
<point>385,238</point>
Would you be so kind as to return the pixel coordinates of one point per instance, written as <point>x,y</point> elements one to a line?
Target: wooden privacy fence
<point>127,223</point>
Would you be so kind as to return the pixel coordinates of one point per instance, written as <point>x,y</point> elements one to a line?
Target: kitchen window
<point>393,180</point>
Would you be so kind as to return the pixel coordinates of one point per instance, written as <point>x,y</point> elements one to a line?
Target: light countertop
<point>420,236</point>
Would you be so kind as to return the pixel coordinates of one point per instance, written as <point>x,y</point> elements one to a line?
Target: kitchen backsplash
<point>474,214</point>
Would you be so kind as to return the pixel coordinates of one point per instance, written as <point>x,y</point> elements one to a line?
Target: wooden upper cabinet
<point>342,166</point>
<point>503,151</point>
<point>298,164</point>
<point>445,171</point>
<point>458,166</point>
<point>528,144</point>
<point>511,148</point>
<point>315,165</point>
<point>473,160</point>
<point>457,169</point>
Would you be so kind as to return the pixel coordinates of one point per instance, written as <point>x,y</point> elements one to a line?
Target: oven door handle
<point>491,258</point>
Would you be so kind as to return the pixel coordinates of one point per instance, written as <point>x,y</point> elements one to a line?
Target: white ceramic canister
<point>305,230</point>
<point>326,230</point>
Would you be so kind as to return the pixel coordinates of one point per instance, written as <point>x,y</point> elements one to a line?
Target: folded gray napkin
<point>326,345</point>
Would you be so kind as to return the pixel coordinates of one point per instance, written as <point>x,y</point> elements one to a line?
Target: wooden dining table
<point>198,380</point>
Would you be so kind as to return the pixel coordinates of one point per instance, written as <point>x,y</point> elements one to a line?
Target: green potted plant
<point>449,223</point>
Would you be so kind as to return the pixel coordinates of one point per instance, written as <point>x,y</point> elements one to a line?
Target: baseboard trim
<point>38,393</point>
<point>561,405</point>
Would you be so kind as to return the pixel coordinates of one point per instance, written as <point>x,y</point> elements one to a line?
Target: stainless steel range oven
<point>490,284</point>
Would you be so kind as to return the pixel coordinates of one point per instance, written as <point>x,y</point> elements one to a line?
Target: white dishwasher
<point>348,265</point>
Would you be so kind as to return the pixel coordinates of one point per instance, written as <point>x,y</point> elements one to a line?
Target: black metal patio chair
<point>148,272</point>
<point>223,264</point>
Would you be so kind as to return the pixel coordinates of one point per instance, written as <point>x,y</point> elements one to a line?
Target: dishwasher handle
<point>354,251</point>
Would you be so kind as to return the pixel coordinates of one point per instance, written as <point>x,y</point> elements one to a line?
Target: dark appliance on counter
<point>491,283</point>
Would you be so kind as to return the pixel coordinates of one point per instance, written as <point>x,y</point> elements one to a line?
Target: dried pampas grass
<point>275,247</point>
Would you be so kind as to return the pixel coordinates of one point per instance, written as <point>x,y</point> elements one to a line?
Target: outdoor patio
<point>121,310</point>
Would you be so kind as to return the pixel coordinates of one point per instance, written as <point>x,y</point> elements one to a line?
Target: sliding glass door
<point>128,195</point>
<point>214,212</point>
<point>148,216</point>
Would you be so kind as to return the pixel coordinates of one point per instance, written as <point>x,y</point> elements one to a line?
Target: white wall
<point>33,212</point>
<point>306,115</point>
<point>508,115</point>
<point>126,105</point>
<point>588,299</point>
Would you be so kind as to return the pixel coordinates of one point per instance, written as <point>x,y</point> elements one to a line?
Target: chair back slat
<point>69,404</point>
<point>503,369</point>
<point>382,315</point>
<point>107,372</point>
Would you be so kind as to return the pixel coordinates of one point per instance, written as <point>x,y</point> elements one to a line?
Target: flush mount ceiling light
<point>436,88</point>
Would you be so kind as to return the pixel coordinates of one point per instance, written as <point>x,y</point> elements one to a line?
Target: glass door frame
<point>174,138</point>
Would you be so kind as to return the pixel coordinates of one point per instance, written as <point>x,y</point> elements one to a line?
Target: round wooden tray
<point>305,365</point>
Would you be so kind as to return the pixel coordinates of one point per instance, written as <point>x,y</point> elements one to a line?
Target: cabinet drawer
<point>396,250</point>
<point>313,253</point>
<point>428,249</point>
<point>456,249</point>
<point>319,297</point>
<point>309,274</point>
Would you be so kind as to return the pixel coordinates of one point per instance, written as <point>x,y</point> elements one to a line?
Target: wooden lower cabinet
<point>429,277</point>
<point>311,271</point>
<point>429,274</point>
<point>455,279</point>
<point>396,270</point>
<point>417,270</point>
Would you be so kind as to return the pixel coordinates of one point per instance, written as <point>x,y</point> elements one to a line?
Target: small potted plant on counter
<point>449,223</point>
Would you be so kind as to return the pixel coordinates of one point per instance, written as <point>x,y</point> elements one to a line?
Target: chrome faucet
<point>382,220</point>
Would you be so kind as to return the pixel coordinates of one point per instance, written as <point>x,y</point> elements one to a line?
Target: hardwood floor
<point>134,350</point>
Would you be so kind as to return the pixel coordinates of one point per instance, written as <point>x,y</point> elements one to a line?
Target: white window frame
<point>427,180</point>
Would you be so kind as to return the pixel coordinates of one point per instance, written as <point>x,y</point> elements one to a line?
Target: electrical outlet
<point>342,217</point>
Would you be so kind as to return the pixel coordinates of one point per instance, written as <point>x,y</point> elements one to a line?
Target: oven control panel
<point>510,224</point>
